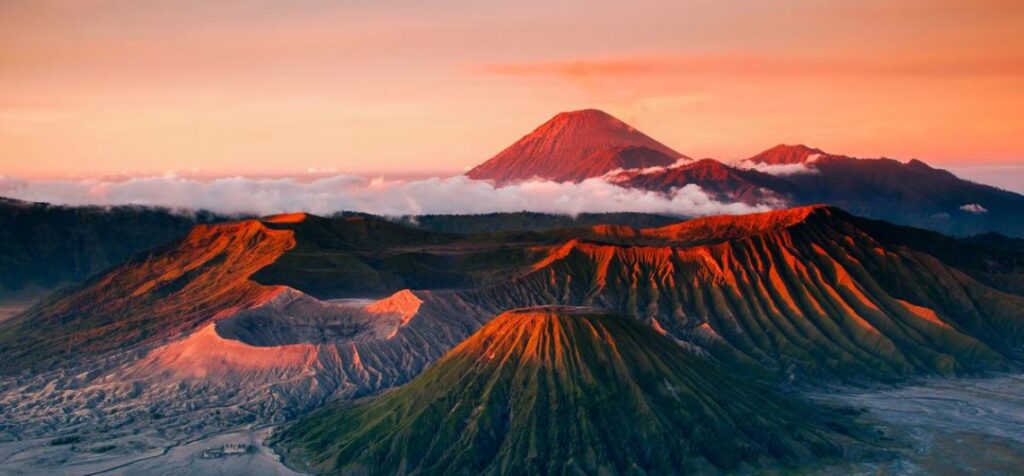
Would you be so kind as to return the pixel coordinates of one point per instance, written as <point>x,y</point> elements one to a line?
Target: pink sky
<point>100,87</point>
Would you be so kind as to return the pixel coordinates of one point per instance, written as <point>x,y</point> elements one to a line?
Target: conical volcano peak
<point>574,146</point>
<point>589,114</point>
<point>543,334</point>
<point>537,387</point>
<point>594,119</point>
<point>592,124</point>
<point>783,154</point>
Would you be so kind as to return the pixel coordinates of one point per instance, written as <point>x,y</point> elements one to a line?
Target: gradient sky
<point>100,87</point>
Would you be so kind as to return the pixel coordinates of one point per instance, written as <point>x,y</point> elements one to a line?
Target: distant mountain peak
<point>586,114</point>
<point>784,154</point>
<point>919,165</point>
<point>574,146</point>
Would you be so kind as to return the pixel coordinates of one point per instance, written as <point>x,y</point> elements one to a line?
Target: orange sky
<point>99,87</point>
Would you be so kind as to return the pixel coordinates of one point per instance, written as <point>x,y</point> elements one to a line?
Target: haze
<point>97,87</point>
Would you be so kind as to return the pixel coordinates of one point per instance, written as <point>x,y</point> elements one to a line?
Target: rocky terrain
<point>240,324</point>
<point>557,390</point>
<point>939,426</point>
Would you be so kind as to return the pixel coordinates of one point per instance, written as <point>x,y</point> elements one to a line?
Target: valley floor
<point>147,456</point>
<point>943,427</point>
<point>936,427</point>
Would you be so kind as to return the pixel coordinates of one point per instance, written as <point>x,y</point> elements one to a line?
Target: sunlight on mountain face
<point>502,238</point>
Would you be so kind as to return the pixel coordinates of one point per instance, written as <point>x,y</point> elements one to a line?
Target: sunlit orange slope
<point>574,146</point>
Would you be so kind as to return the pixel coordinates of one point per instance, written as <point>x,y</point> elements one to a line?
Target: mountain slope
<point>150,297</point>
<point>219,270</point>
<point>556,391</point>
<point>48,246</point>
<point>574,146</point>
<point>911,193</point>
<point>801,292</point>
<point>186,339</point>
<point>720,181</point>
<point>783,154</point>
<point>811,291</point>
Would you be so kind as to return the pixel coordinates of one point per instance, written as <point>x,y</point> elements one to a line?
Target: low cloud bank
<point>455,195</point>
<point>780,170</point>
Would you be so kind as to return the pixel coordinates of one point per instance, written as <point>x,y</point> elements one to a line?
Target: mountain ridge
<point>910,193</point>
<point>816,264</point>
<point>803,296</point>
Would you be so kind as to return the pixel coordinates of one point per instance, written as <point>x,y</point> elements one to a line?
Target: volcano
<point>558,390</point>
<point>803,295</point>
<point>574,146</point>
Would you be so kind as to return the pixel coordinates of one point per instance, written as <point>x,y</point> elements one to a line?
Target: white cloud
<point>241,195</point>
<point>620,174</point>
<point>974,208</point>
<point>781,170</point>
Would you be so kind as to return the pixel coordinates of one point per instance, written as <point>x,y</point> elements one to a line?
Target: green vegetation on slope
<point>562,391</point>
<point>46,246</point>
<point>360,256</point>
<point>818,296</point>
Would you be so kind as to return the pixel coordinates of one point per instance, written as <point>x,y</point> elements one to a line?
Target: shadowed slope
<point>340,257</point>
<point>910,193</point>
<point>560,391</point>
<point>44,246</point>
<point>625,157</point>
<point>720,181</point>
<point>993,259</point>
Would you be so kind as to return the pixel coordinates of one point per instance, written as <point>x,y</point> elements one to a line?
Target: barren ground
<point>944,427</point>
